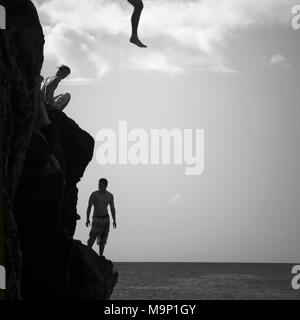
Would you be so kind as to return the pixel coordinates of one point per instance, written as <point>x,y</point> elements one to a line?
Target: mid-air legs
<point>135,19</point>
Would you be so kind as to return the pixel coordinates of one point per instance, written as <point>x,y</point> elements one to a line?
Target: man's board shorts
<point>61,101</point>
<point>100,228</point>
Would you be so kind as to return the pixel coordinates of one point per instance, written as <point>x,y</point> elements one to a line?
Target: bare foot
<point>137,42</point>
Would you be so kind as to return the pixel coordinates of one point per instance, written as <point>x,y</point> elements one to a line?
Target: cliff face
<point>21,58</point>
<point>42,260</point>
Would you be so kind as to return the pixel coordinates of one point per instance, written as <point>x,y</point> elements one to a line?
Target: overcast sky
<point>226,66</point>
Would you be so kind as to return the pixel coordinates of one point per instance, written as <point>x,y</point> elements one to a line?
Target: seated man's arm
<point>113,210</point>
<point>50,89</point>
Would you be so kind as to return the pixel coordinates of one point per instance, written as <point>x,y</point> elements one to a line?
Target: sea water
<point>201,281</point>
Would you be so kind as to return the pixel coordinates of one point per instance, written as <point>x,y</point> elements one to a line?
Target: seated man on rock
<point>50,84</point>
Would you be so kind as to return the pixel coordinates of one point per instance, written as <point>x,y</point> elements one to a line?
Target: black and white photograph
<point>150,151</point>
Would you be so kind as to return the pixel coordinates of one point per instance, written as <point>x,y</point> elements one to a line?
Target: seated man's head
<point>103,184</point>
<point>63,71</point>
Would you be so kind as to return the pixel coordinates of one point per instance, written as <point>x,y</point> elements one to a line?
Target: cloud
<point>77,82</point>
<point>176,199</point>
<point>183,35</point>
<point>154,61</point>
<point>277,59</point>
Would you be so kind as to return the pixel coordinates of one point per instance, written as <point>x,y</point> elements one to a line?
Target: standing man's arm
<point>88,212</point>
<point>113,211</point>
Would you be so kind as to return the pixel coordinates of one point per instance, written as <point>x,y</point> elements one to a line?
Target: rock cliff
<point>42,259</point>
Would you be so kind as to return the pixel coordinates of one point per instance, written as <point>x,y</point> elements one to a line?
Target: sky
<point>228,67</point>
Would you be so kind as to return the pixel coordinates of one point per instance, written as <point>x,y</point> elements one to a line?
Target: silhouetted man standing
<point>100,199</point>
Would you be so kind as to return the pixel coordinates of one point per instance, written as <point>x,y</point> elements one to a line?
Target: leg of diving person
<point>135,19</point>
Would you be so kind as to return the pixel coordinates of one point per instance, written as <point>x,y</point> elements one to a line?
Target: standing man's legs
<point>101,247</point>
<point>135,19</point>
<point>92,239</point>
<point>104,236</point>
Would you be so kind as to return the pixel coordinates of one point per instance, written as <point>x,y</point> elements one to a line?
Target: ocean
<point>204,281</point>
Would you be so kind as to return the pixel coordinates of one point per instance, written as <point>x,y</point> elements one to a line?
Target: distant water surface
<point>198,281</point>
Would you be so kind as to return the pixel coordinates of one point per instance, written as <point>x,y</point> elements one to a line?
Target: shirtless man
<point>50,84</point>
<point>100,199</point>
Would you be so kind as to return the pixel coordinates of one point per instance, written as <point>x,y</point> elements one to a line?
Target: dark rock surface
<point>74,154</point>
<point>21,58</point>
<point>42,260</point>
<point>91,283</point>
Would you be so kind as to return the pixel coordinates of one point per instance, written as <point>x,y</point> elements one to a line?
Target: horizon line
<point>208,262</point>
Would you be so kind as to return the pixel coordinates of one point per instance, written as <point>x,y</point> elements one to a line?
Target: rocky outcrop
<point>74,151</point>
<point>41,257</point>
<point>21,58</point>
<point>96,282</point>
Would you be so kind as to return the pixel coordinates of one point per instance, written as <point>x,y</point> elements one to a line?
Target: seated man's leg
<point>61,101</point>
